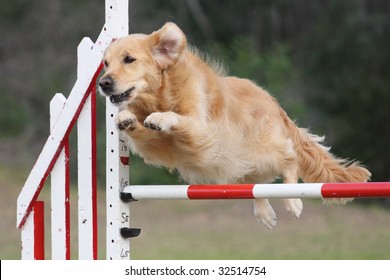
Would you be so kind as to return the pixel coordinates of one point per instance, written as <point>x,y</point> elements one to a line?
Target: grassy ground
<point>228,230</point>
<point>225,229</point>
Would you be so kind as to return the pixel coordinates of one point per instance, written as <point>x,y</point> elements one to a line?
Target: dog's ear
<point>167,45</point>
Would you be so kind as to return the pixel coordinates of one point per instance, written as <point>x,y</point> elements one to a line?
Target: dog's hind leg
<point>293,205</point>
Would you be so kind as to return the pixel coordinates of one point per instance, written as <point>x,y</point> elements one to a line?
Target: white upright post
<point>60,211</point>
<point>33,234</point>
<point>117,152</point>
<point>28,238</point>
<point>86,143</point>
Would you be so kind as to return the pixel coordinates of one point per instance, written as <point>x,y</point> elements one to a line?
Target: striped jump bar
<point>250,191</point>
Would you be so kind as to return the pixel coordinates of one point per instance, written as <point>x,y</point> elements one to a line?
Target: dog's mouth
<point>119,98</point>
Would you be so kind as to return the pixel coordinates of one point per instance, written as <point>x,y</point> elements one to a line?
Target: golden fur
<point>181,113</point>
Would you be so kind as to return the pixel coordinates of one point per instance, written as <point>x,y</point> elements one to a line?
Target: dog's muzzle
<point>107,87</point>
<point>119,98</point>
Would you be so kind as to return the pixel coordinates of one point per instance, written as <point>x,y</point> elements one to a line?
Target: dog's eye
<point>128,59</point>
<point>105,63</point>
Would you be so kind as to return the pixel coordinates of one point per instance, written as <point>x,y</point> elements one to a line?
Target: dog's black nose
<point>106,84</point>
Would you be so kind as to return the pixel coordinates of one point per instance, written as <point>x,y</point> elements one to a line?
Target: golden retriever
<point>182,112</point>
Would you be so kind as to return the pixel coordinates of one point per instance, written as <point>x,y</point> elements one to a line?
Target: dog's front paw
<point>125,120</point>
<point>162,121</point>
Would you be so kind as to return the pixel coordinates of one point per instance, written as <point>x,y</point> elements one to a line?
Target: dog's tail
<point>318,165</point>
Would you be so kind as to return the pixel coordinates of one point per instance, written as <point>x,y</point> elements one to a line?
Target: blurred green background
<point>327,62</point>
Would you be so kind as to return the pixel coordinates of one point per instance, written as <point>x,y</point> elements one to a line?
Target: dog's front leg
<point>127,122</point>
<point>192,140</point>
<point>163,121</point>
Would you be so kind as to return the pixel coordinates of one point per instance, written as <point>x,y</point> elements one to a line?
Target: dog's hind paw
<point>125,120</point>
<point>294,206</point>
<point>264,213</point>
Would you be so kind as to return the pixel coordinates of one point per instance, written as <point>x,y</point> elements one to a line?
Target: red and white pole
<point>33,234</point>
<point>251,191</point>
<point>60,191</point>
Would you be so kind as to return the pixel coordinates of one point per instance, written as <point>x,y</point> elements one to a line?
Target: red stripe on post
<point>39,230</point>
<point>125,160</point>
<point>67,200</point>
<point>94,171</point>
<point>340,190</point>
<point>243,191</point>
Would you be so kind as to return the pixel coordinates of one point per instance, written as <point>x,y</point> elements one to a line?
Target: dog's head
<point>133,64</point>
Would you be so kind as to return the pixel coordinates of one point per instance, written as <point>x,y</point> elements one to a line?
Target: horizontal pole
<point>251,191</point>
